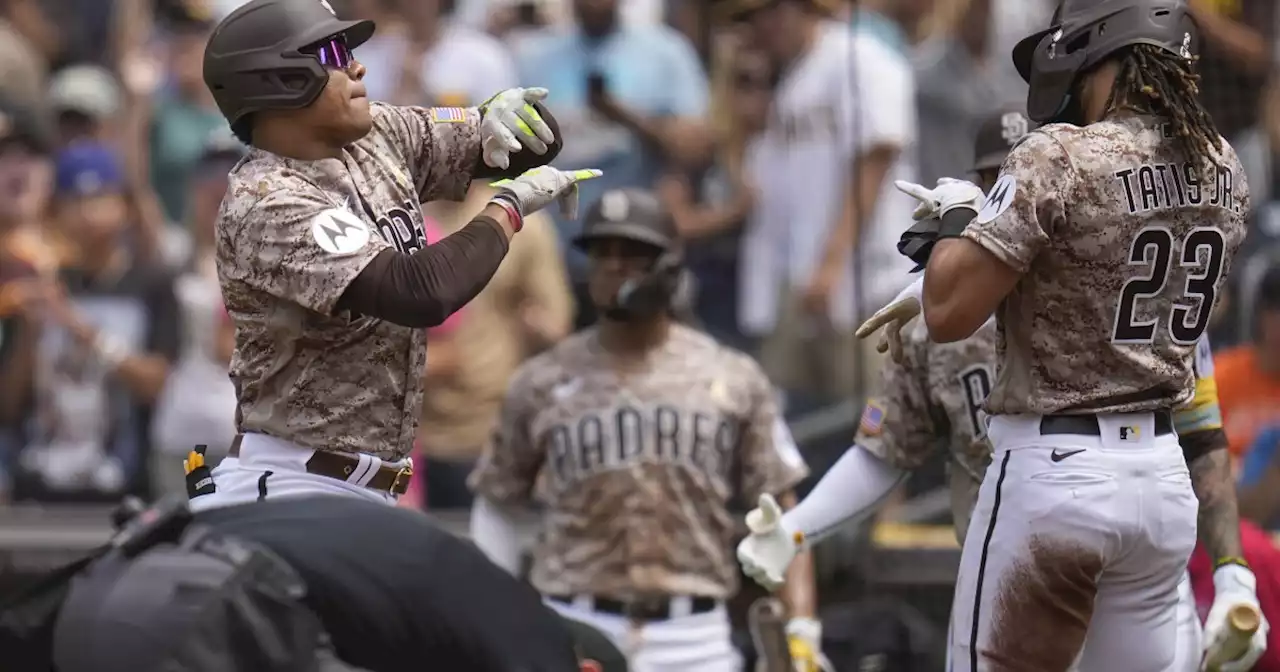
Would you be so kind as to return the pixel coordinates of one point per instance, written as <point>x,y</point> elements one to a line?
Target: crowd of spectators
<point>775,157</point>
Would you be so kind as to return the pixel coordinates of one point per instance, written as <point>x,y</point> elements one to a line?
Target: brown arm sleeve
<point>420,290</point>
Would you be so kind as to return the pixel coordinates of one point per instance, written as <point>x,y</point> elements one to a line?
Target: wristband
<point>1230,560</point>
<point>513,211</point>
<point>955,220</point>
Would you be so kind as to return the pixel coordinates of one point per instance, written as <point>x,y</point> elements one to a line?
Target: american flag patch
<point>448,115</point>
<point>872,418</point>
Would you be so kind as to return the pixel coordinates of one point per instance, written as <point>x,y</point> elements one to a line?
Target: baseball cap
<point>998,134</point>
<point>88,89</point>
<point>87,169</point>
<point>24,125</point>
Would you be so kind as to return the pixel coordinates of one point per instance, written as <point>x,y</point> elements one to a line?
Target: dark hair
<point>1155,81</point>
<point>243,130</point>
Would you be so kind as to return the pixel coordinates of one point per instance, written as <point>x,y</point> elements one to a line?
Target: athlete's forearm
<point>1219,518</point>
<point>800,592</point>
<point>855,486</point>
<point>424,288</point>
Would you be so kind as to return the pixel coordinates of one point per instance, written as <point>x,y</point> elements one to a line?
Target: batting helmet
<point>1083,33</point>
<point>997,135</point>
<point>254,59</point>
<point>636,215</point>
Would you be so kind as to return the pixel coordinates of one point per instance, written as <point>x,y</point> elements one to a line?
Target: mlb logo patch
<point>1130,433</point>
<point>448,115</point>
<point>872,418</point>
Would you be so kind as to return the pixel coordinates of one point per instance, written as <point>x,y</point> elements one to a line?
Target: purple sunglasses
<point>332,53</point>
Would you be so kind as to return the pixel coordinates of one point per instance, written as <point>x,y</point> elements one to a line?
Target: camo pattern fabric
<point>933,401</point>
<point>642,473</point>
<point>1123,246</point>
<point>291,236</point>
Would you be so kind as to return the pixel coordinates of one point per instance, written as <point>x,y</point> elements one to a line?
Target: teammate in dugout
<point>637,436</point>
<point>320,248</point>
<point>932,397</point>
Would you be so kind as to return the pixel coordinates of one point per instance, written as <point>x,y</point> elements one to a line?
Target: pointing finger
<point>535,94</point>
<point>916,191</point>
<point>585,174</point>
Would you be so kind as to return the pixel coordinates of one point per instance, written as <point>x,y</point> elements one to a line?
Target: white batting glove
<point>949,194</point>
<point>804,640</point>
<point>893,317</point>
<point>537,188</point>
<point>767,552</point>
<point>1233,585</point>
<point>509,122</point>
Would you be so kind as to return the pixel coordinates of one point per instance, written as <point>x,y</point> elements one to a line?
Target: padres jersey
<point>1123,250</point>
<point>933,401</point>
<point>291,236</point>
<point>637,470</point>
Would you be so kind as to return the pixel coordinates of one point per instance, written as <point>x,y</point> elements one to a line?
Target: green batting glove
<point>509,122</point>
<point>537,188</point>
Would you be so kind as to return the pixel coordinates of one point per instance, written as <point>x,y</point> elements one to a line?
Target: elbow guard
<point>526,159</point>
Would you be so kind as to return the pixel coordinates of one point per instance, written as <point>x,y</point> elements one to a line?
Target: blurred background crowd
<point>113,161</point>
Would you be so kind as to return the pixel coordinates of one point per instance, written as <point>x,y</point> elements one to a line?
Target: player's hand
<point>892,318</point>
<point>767,552</point>
<point>537,188</point>
<point>804,640</point>
<point>508,122</point>
<point>1233,585</point>
<point>949,194</point>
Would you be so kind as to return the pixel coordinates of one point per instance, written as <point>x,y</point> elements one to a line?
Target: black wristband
<point>955,222</point>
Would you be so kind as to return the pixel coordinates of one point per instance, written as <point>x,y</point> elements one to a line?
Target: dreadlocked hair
<point>1156,82</point>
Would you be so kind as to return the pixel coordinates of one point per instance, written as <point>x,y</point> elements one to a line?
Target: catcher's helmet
<point>997,135</point>
<point>1083,33</point>
<point>636,215</point>
<point>254,62</point>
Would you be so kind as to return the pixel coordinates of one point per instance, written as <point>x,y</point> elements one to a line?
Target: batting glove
<point>947,196</point>
<point>537,188</point>
<point>1234,586</point>
<point>892,318</point>
<point>767,552</point>
<point>804,640</point>
<point>509,122</point>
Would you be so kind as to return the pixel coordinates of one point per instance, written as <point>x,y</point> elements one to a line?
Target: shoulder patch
<point>872,418</point>
<point>998,199</point>
<point>339,232</point>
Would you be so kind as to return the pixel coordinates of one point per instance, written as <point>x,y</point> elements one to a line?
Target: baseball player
<point>1083,526</point>
<point>320,249</point>
<point>637,435</point>
<point>936,390</point>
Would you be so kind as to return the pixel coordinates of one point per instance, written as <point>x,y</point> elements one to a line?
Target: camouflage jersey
<point>291,236</point>
<point>638,469</point>
<point>933,401</point>
<point>1123,246</point>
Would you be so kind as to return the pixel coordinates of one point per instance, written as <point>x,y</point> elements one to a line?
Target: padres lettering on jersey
<point>933,400</point>
<point>1122,259</point>
<point>291,236</point>
<point>637,473</point>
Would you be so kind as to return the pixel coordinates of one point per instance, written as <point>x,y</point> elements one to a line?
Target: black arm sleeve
<point>1198,444</point>
<point>424,288</point>
<point>525,159</point>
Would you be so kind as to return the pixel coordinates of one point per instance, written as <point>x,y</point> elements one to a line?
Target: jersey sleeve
<point>897,424</point>
<point>771,461</point>
<point>441,146</point>
<point>509,465</point>
<point>1017,219</point>
<point>1202,413</point>
<point>296,245</point>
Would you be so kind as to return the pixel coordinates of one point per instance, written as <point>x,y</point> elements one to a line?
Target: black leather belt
<point>1087,425</point>
<point>656,608</point>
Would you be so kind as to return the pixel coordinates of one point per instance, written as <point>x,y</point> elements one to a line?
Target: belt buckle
<point>405,473</point>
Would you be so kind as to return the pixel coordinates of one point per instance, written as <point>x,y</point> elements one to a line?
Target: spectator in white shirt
<point>820,247</point>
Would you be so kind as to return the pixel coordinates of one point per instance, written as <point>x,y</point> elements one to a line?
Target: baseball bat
<point>767,619</point>
<point>1243,620</point>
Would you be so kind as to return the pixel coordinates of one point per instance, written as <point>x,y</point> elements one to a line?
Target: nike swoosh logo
<point>1058,457</point>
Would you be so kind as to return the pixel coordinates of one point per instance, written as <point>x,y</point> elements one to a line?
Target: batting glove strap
<point>1235,579</point>
<point>808,629</point>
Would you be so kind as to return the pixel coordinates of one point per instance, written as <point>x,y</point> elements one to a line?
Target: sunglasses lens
<point>333,53</point>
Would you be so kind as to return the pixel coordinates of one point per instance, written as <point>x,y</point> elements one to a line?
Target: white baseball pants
<point>689,643</point>
<point>270,468</point>
<point>1075,550</point>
